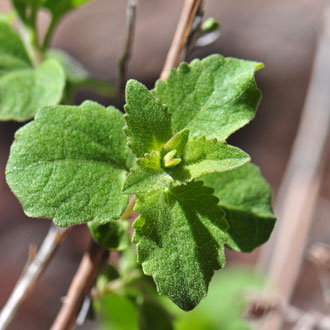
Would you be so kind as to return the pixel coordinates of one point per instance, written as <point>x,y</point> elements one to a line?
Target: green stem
<point>49,34</point>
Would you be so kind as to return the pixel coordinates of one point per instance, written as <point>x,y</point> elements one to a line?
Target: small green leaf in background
<point>180,236</point>
<point>69,164</point>
<point>113,235</point>
<point>117,313</point>
<point>23,92</point>
<point>246,198</point>
<point>12,51</point>
<point>74,70</point>
<point>153,316</point>
<point>148,122</point>
<point>24,89</point>
<point>212,97</point>
<point>58,8</point>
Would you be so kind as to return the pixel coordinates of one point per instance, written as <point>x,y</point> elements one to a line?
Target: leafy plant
<point>195,194</point>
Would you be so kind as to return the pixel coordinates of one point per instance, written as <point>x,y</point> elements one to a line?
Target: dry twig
<point>32,273</point>
<point>282,256</point>
<point>174,56</point>
<point>123,62</point>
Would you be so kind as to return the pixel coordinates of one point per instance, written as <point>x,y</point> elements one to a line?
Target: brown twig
<point>174,56</point>
<point>282,257</point>
<point>123,62</point>
<point>32,273</point>
<point>80,286</point>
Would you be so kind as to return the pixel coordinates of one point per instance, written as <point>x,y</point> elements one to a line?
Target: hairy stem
<point>32,273</point>
<point>123,62</point>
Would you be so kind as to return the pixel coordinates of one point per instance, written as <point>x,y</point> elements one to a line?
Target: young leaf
<point>147,175</point>
<point>148,122</point>
<point>23,92</point>
<point>201,156</point>
<point>69,164</point>
<point>195,158</point>
<point>113,235</point>
<point>246,199</point>
<point>12,47</point>
<point>180,236</point>
<point>212,97</point>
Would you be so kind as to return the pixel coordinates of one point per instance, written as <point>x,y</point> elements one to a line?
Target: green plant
<point>195,194</point>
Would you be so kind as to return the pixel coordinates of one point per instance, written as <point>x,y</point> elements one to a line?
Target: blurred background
<point>281,34</point>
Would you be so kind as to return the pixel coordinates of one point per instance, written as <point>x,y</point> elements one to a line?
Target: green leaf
<point>152,315</point>
<point>246,198</point>
<point>12,49</point>
<point>148,122</point>
<point>201,156</point>
<point>23,92</point>
<point>74,70</point>
<point>69,164</point>
<point>147,175</point>
<point>195,158</point>
<point>212,97</point>
<point>180,236</point>
<point>59,8</point>
<point>113,235</point>
<point>117,313</point>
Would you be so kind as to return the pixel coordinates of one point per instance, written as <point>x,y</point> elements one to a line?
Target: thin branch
<point>80,286</point>
<point>174,56</point>
<point>32,273</point>
<point>282,256</point>
<point>123,62</point>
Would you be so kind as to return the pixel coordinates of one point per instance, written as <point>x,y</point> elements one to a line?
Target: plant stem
<point>32,273</point>
<point>49,34</point>
<point>123,62</point>
<point>80,286</point>
<point>175,54</point>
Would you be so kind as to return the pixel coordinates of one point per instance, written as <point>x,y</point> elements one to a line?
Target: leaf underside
<point>180,236</point>
<point>69,164</point>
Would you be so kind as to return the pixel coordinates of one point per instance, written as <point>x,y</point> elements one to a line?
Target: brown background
<point>282,34</point>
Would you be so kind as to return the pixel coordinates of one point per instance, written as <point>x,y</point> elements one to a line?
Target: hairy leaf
<point>195,158</point>
<point>246,199</point>
<point>69,164</point>
<point>212,97</point>
<point>23,92</point>
<point>180,236</point>
<point>147,175</point>
<point>201,156</point>
<point>148,122</point>
<point>113,235</point>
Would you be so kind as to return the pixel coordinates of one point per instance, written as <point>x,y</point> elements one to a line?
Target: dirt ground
<point>282,34</point>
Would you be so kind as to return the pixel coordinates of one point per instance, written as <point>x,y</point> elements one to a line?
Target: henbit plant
<point>195,194</point>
